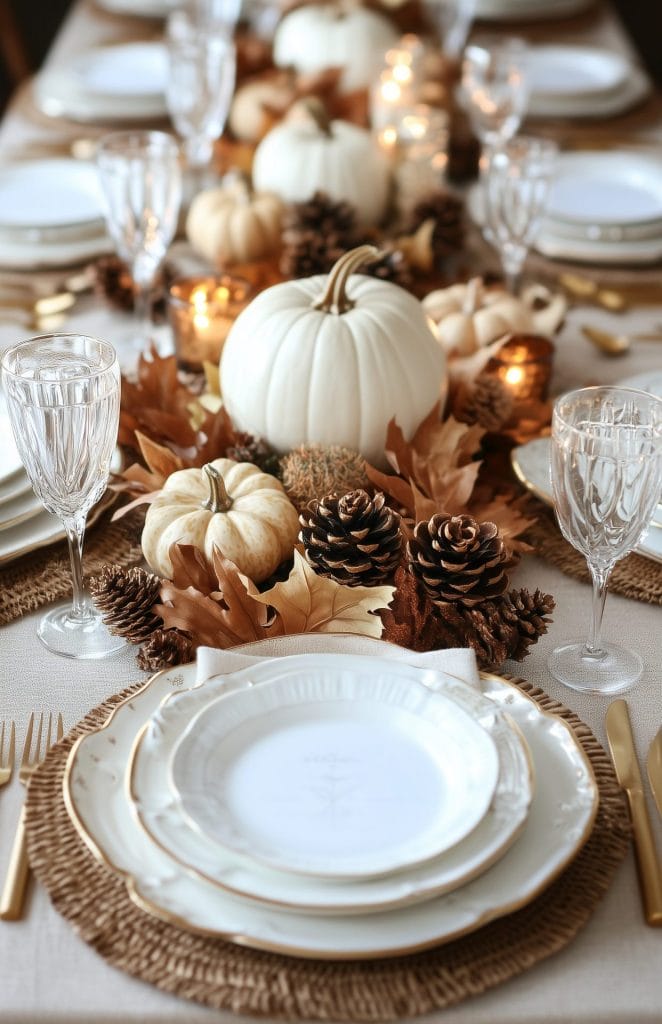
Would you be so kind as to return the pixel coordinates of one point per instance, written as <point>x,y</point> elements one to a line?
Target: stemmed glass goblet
<point>63,399</point>
<point>495,89</point>
<point>142,182</point>
<point>606,480</point>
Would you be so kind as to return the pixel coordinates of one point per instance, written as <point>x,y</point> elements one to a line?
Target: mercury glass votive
<point>524,365</point>
<point>201,311</point>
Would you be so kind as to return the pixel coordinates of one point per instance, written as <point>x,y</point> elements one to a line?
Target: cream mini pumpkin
<point>318,36</point>
<point>471,316</point>
<point>307,153</point>
<point>232,506</point>
<point>330,360</point>
<point>247,113</point>
<point>233,225</point>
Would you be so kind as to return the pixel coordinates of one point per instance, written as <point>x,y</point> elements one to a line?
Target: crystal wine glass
<point>63,398</point>
<point>495,89</point>
<point>200,82</point>
<point>453,19</point>
<point>516,188</point>
<point>141,177</point>
<point>606,479</point>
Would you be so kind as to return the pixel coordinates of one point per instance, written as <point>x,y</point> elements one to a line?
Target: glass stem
<point>600,578</point>
<point>81,606</point>
<point>142,309</point>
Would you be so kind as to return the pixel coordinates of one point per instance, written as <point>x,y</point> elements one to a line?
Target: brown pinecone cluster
<point>354,539</point>
<point>458,560</point>
<point>447,212</point>
<point>113,281</point>
<point>501,629</point>
<point>486,401</point>
<point>125,598</point>
<point>247,448</point>
<point>315,234</point>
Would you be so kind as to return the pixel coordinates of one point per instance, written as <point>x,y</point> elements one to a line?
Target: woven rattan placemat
<point>221,975</point>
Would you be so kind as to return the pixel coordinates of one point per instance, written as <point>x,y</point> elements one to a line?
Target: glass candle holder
<point>201,311</point>
<point>524,365</point>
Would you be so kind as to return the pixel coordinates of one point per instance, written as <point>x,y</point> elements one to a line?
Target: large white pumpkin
<point>319,36</point>
<point>330,360</point>
<point>307,153</point>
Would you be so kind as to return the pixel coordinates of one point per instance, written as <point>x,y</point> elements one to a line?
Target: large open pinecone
<point>458,559</point>
<point>125,598</point>
<point>447,212</point>
<point>315,234</point>
<point>354,539</point>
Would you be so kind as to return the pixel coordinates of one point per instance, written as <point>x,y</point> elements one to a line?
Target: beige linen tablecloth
<point>609,975</point>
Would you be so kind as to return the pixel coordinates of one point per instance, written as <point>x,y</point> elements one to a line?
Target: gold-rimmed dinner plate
<point>559,822</point>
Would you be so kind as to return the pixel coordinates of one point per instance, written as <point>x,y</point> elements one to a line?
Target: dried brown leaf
<point>196,613</point>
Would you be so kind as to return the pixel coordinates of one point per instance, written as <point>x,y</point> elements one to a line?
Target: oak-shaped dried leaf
<point>308,603</point>
<point>156,404</point>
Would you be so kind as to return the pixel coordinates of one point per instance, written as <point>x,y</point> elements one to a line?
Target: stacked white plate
<point>139,8</point>
<point>24,523</point>
<point>605,208</point>
<point>529,10</point>
<point>331,805</point>
<point>115,84</point>
<point>51,214</point>
<point>582,81</point>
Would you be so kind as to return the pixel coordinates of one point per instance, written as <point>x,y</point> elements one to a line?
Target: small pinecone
<point>487,628</point>
<point>164,648</point>
<point>447,211</point>
<point>315,234</point>
<point>113,281</point>
<point>486,402</point>
<point>391,266</point>
<point>247,448</point>
<point>532,613</point>
<point>315,470</point>
<point>458,559</point>
<point>125,598</point>
<point>354,539</point>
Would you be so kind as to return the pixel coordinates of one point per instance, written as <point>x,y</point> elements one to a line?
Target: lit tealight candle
<point>202,311</point>
<point>524,365</point>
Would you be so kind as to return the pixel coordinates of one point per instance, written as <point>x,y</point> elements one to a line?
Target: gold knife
<point>654,766</point>
<point>621,744</point>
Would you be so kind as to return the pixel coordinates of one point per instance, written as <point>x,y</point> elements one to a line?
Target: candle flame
<point>514,375</point>
<point>391,91</point>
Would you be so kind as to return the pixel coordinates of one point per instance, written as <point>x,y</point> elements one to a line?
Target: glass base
<point>71,637</point>
<point>615,669</point>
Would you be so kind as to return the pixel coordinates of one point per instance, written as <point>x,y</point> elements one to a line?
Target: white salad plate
<point>63,92</point>
<point>338,768</point>
<point>50,195</point>
<point>607,189</point>
<point>560,820</point>
<point>161,817</point>
<point>14,487</point>
<point>571,81</point>
<point>139,8</point>
<point>531,463</point>
<point>10,460</point>
<point>32,255</point>
<point>21,508</point>
<point>529,10</point>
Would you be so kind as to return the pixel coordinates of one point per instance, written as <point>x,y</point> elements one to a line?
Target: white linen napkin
<point>457,661</point>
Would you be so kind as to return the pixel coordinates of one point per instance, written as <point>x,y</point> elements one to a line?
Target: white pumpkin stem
<point>320,115</point>
<point>335,298</point>
<point>219,500</point>
<point>472,296</point>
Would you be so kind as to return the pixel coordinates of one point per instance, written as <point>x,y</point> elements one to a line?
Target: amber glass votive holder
<point>524,365</point>
<point>201,311</point>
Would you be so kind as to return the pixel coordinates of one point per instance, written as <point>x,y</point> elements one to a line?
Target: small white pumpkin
<point>318,36</point>
<point>247,118</point>
<point>232,225</point>
<point>307,153</point>
<point>330,360</point>
<point>233,506</point>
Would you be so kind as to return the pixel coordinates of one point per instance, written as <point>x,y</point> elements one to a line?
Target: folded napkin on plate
<point>457,661</point>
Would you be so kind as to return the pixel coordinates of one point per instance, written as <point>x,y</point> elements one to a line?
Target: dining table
<point>610,972</point>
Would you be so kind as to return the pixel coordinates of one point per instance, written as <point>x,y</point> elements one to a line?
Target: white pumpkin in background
<point>319,36</point>
<point>308,152</point>
<point>231,224</point>
<point>247,113</point>
<point>470,316</point>
<point>330,360</point>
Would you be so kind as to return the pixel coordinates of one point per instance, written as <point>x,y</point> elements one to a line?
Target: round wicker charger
<point>221,975</point>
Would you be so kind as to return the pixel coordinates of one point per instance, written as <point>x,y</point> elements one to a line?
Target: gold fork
<point>13,894</point>
<point>7,762</point>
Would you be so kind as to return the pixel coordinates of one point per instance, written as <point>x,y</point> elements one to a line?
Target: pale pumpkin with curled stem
<point>330,360</point>
<point>232,506</point>
<point>233,224</point>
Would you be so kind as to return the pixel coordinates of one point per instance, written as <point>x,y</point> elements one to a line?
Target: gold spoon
<point>615,344</point>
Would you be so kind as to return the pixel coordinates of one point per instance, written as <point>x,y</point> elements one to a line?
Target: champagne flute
<point>141,178</point>
<point>63,399</point>
<point>516,187</point>
<point>606,480</point>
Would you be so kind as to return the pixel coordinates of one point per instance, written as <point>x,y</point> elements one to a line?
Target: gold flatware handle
<point>650,877</point>
<point>13,893</point>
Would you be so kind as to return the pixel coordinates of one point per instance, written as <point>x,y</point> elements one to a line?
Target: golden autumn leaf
<point>308,603</point>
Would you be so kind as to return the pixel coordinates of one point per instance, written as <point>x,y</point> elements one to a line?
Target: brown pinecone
<point>532,614</point>
<point>164,648</point>
<point>463,148</point>
<point>113,281</point>
<point>315,234</point>
<point>447,211</point>
<point>247,448</point>
<point>458,559</point>
<point>391,265</point>
<point>354,539</point>
<point>486,402</point>
<point>314,470</point>
<point>125,598</point>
